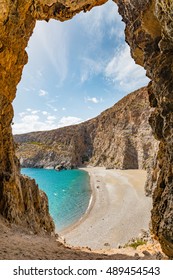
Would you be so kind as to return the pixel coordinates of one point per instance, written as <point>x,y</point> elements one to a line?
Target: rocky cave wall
<point>149,32</point>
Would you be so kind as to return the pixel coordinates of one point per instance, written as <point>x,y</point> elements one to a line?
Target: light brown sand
<point>118,212</point>
<point>17,243</point>
<point>104,221</point>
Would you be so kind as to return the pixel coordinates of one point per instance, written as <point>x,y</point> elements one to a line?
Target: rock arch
<point>149,32</point>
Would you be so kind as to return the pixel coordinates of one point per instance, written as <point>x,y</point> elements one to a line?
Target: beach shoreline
<point>118,205</point>
<point>87,212</point>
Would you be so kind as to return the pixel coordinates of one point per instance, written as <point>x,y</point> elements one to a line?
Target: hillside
<point>119,137</point>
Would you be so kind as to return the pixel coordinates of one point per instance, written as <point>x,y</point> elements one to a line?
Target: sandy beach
<point>118,210</point>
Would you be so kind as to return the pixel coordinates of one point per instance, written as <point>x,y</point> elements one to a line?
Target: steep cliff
<point>120,137</point>
<point>123,137</point>
<point>149,32</point>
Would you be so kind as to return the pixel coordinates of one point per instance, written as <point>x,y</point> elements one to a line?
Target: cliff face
<point>118,138</point>
<point>123,137</point>
<point>149,32</point>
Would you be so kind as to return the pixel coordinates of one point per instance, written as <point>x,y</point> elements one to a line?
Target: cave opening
<point>76,70</point>
<point>149,33</point>
<point>91,69</point>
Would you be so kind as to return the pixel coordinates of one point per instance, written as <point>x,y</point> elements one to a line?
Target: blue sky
<point>76,69</point>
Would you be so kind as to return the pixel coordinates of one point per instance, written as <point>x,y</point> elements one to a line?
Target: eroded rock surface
<point>149,32</point>
<point>119,137</point>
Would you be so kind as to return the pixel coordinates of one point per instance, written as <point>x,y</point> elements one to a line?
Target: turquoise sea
<point>68,192</point>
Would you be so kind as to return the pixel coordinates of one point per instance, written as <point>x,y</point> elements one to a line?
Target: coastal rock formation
<point>120,137</point>
<point>149,32</point>
<point>123,137</point>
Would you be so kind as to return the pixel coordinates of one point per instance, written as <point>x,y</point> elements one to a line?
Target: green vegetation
<point>137,243</point>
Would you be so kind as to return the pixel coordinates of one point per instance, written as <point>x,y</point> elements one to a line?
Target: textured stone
<point>149,32</point>
<point>119,137</point>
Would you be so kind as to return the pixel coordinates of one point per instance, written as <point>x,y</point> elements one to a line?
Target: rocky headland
<point>149,32</point>
<point>120,137</point>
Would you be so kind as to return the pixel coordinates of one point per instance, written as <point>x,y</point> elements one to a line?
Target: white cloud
<point>35,112</point>
<point>65,121</point>
<point>90,67</point>
<point>95,21</point>
<point>53,39</point>
<point>51,118</point>
<point>45,113</point>
<point>100,24</point>
<point>63,109</point>
<point>84,75</point>
<point>42,92</point>
<point>32,123</point>
<point>29,109</point>
<point>93,99</point>
<point>22,114</point>
<point>30,118</point>
<point>122,69</point>
<point>51,104</point>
